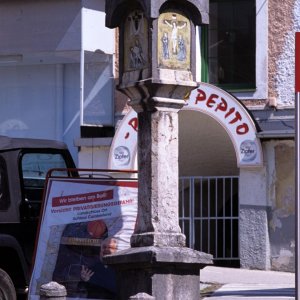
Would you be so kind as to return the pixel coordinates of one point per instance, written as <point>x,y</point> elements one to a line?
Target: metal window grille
<point>209,215</point>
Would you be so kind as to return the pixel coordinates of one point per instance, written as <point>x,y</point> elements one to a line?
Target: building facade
<point>59,70</point>
<point>56,63</point>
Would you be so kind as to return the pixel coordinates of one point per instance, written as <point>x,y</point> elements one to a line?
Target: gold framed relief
<point>174,41</point>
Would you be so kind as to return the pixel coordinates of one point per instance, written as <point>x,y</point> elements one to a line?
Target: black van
<point>24,164</point>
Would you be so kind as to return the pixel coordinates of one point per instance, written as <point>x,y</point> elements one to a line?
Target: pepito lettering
<point>218,103</point>
<point>134,123</point>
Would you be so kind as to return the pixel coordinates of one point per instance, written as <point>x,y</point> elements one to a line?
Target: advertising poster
<point>82,220</point>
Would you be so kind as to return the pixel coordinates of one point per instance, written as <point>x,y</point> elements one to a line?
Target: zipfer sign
<point>207,99</point>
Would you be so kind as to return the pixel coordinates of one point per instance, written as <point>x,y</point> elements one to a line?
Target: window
<point>4,194</point>
<point>34,169</point>
<point>98,91</point>
<point>97,114</point>
<point>228,44</point>
<point>36,165</point>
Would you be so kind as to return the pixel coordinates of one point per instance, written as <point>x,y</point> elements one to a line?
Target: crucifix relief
<point>174,34</point>
<point>135,42</point>
<point>175,25</point>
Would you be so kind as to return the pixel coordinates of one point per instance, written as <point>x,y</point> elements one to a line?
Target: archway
<point>204,146</point>
<point>208,187</point>
<point>217,137</point>
<point>206,99</point>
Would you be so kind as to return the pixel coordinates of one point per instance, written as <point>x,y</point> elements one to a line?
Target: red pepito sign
<point>207,99</point>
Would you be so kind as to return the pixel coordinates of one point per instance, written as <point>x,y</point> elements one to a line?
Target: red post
<point>297,162</point>
<point>297,63</point>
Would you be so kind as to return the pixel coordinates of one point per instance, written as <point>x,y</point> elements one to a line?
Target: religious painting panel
<point>174,41</point>
<point>135,41</point>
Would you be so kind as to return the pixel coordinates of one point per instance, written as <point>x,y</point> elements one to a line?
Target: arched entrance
<point>204,146</point>
<point>208,187</point>
<point>217,137</point>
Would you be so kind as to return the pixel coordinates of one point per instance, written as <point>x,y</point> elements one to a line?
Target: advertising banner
<point>82,220</point>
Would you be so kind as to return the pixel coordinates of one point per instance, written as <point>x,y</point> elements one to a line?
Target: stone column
<point>158,263</point>
<point>158,174</point>
<point>156,71</point>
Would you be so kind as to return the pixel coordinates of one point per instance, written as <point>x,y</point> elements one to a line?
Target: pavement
<point>217,283</point>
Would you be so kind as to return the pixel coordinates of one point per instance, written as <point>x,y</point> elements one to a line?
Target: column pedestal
<point>167,273</point>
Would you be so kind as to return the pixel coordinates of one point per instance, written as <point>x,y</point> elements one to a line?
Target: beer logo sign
<point>248,150</point>
<point>122,156</point>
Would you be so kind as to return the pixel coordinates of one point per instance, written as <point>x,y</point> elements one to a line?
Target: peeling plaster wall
<point>254,238</point>
<point>284,21</point>
<point>253,228</point>
<point>267,210</point>
<point>281,195</point>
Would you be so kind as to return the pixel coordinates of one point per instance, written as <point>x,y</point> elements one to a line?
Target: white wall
<point>40,26</point>
<point>40,57</point>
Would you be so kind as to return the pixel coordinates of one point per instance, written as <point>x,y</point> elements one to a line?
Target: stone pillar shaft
<point>157,223</point>
<point>157,262</point>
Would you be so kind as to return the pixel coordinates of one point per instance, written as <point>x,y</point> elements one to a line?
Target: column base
<point>166,273</point>
<point>158,239</point>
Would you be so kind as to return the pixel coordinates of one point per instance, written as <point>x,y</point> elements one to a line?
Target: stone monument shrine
<point>157,72</point>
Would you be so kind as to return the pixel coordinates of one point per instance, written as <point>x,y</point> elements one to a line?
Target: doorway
<point>208,188</point>
<point>209,216</point>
